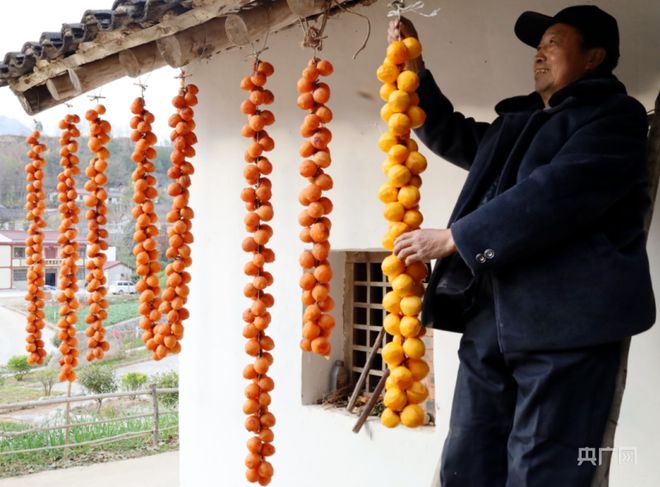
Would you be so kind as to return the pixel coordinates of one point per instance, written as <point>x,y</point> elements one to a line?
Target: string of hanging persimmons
<point>163,311</point>
<point>162,314</point>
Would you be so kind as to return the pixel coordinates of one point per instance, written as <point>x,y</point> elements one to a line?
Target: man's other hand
<point>407,29</point>
<point>424,245</point>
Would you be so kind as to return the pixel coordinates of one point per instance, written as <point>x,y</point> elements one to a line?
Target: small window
<point>19,252</point>
<point>359,314</point>
<point>20,275</point>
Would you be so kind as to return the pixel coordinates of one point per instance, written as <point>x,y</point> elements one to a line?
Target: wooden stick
<point>365,372</point>
<point>67,423</point>
<point>49,402</point>
<point>154,396</point>
<point>371,403</point>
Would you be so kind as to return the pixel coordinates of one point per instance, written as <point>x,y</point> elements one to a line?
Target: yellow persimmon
<point>392,266</point>
<point>412,416</point>
<point>413,46</point>
<point>397,52</point>
<point>389,418</point>
<point>398,153</point>
<point>388,193</point>
<point>398,123</point>
<point>391,323</point>
<point>407,81</point>
<point>399,101</point>
<point>414,347</point>
<point>386,141</point>
<point>387,72</point>
<point>391,303</point>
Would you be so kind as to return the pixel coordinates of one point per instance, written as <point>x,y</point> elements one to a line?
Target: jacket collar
<point>590,88</point>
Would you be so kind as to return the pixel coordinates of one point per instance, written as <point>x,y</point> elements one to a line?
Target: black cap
<point>598,28</point>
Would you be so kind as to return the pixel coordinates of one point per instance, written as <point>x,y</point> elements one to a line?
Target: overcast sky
<point>25,21</point>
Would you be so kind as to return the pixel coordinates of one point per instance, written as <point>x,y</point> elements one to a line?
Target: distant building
<point>114,195</point>
<point>117,271</point>
<point>13,266</point>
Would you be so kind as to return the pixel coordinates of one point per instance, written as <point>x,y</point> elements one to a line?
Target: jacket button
<point>480,258</point>
<point>489,253</point>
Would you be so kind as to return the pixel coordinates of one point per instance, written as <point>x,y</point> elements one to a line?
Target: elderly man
<point>543,266</point>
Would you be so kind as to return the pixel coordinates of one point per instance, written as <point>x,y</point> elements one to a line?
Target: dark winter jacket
<point>563,238</point>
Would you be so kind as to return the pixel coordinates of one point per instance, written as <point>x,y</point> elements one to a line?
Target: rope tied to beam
<point>143,87</point>
<point>314,35</point>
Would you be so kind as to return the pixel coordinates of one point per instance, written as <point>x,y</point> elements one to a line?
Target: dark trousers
<point>520,419</point>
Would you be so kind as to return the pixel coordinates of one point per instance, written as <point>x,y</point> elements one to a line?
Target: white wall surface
<point>5,255</point>
<point>5,278</point>
<point>118,273</point>
<point>477,60</point>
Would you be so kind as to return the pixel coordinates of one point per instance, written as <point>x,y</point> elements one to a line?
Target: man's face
<point>560,60</point>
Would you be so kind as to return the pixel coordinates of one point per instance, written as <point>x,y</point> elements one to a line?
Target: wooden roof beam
<point>176,50</point>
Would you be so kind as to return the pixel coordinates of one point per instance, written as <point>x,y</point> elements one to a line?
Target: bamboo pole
<point>371,403</point>
<point>154,395</point>
<point>365,371</point>
<point>67,424</point>
<point>49,402</point>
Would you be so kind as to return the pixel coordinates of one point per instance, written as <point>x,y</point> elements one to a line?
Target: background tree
<point>98,379</point>
<point>47,377</point>
<point>133,381</point>
<point>19,365</point>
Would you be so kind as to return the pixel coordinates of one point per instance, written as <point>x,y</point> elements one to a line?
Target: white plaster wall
<point>5,255</point>
<point>118,273</point>
<point>5,278</point>
<point>477,60</point>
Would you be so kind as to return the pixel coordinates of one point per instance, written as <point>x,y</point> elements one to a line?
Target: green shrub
<point>98,379</point>
<point>18,364</point>
<point>47,378</point>
<point>166,380</point>
<point>133,381</point>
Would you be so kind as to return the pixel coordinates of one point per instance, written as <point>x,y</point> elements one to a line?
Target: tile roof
<point>133,38</point>
<point>54,45</point>
<point>114,263</point>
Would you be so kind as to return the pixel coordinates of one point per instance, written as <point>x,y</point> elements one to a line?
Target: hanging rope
<point>314,35</point>
<point>399,8</point>
<point>143,87</point>
<point>366,38</point>
<point>256,53</point>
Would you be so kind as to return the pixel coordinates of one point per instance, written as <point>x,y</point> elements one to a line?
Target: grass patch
<point>119,309</point>
<point>13,391</point>
<point>23,463</point>
<point>30,389</point>
<point>133,358</point>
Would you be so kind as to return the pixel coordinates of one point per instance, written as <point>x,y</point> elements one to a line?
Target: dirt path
<point>12,335</point>
<point>161,470</point>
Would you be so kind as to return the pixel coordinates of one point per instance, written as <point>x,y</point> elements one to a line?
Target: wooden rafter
<point>176,40</point>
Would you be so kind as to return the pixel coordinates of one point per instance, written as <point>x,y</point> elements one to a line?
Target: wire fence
<point>155,431</point>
